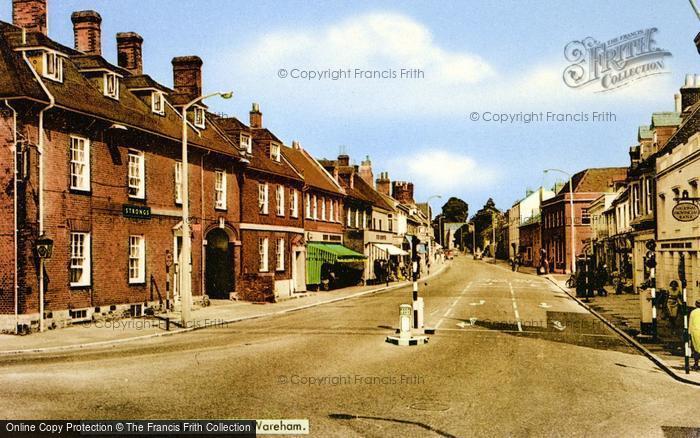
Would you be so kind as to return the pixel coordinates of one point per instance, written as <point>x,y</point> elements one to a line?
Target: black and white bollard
<point>684,309</point>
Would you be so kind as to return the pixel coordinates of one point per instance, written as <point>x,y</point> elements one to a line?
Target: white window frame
<point>323,208</point>
<point>80,258</point>
<point>158,102</point>
<point>137,259</point>
<point>263,251</point>
<point>279,197</point>
<point>220,189</point>
<point>79,167</point>
<point>263,198</point>
<point>275,152</point>
<point>111,85</point>
<point>139,186</point>
<point>331,213</point>
<point>314,208</point>
<point>53,59</point>
<point>247,143</point>
<point>307,206</point>
<point>294,207</point>
<point>348,218</point>
<point>199,117</point>
<point>280,254</point>
<point>177,178</point>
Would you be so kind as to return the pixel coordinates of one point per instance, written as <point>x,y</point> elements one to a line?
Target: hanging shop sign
<point>685,211</point>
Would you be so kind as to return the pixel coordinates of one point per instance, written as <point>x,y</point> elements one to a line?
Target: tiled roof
<point>77,93</point>
<point>93,62</point>
<point>665,119</point>
<point>17,80</point>
<point>370,194</point>
<point>595,179</point>
<point>144,81</point>
<point>314,175</point>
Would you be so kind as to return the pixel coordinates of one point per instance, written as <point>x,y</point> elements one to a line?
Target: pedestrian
<point>512,264</point>
<point>673,301</point>
<point>602,279</point>
<point>694,332</point>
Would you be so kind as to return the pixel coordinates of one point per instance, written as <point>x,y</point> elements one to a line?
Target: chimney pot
<point>187,76</point>
<point>30,15</point>
<point>689,81</point>
<point>129,52</point>
<point>343,160</point>
<point>87,32</point>
<point>256,120</point>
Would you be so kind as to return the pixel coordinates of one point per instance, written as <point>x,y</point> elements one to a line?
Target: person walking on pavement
<point>673,301</point>
<point>602,279</point>
<point>694,332</point>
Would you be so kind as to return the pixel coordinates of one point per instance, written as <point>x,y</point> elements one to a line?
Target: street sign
<point>685,212</point>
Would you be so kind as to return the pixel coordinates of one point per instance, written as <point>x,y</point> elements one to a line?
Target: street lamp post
<point>571,206</point>
<point>186,261</point>
<point>430,210</point>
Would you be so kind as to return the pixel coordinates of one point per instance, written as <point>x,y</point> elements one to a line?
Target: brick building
<point>329,263</point>
<point>556,218</point>
<point>97,170</point>
<point>273,261</point>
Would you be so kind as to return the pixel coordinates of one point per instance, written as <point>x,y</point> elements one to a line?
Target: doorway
<point>219,265</point>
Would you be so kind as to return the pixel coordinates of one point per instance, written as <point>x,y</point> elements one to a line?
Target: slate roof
<point>644,133</point>
<point>665,119</point>
<point>144,81</point>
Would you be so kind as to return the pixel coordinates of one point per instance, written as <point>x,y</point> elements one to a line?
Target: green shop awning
<point>319,253</point>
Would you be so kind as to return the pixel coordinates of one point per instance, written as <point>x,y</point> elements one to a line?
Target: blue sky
<point>502,56</point>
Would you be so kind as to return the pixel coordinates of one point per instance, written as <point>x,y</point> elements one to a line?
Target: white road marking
<point>515,307</point>
<point>480,303</point>
<point>452,306</point>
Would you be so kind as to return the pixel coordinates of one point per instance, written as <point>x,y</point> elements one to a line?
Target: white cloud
<point>455,83</point>
<point>442,170</point>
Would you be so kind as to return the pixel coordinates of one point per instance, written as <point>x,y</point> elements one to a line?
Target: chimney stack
<point>30,15</point>
<point>690,93</point>
<point>677,102</point>
<point>256,120</point>
<point>187,76</point>
<point>87,32</point>
<point>343,160</point>
<point>366,171</point>
<point>403,192</point>
<point>384,184</point>
<point>296,145</point>
<point>129,52</point>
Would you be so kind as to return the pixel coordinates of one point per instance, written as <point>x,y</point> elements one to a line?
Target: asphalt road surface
<point>512,356</point>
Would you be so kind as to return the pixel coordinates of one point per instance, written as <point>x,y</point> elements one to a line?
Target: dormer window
<point>111,85</point>
<point>157,103</point>
<point>246,143</point>
<point>275,153</point>
<point>199,117</point>
<point>53,66</point>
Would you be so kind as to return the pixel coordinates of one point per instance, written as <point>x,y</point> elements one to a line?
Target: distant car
<point>449,254</point>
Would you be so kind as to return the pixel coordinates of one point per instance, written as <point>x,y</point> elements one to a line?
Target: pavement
<point>623,312</point>
<point>220,312</point>
<point>513,355</point>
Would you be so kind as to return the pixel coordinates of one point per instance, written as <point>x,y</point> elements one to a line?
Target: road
<point>512,355</point>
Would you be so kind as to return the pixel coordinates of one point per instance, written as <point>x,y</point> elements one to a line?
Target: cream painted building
<point>677,174</point>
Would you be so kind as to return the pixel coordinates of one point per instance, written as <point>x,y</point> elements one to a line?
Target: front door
<point>219,264</point>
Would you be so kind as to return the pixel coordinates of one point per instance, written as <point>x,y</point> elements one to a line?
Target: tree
<point>455,210</point>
